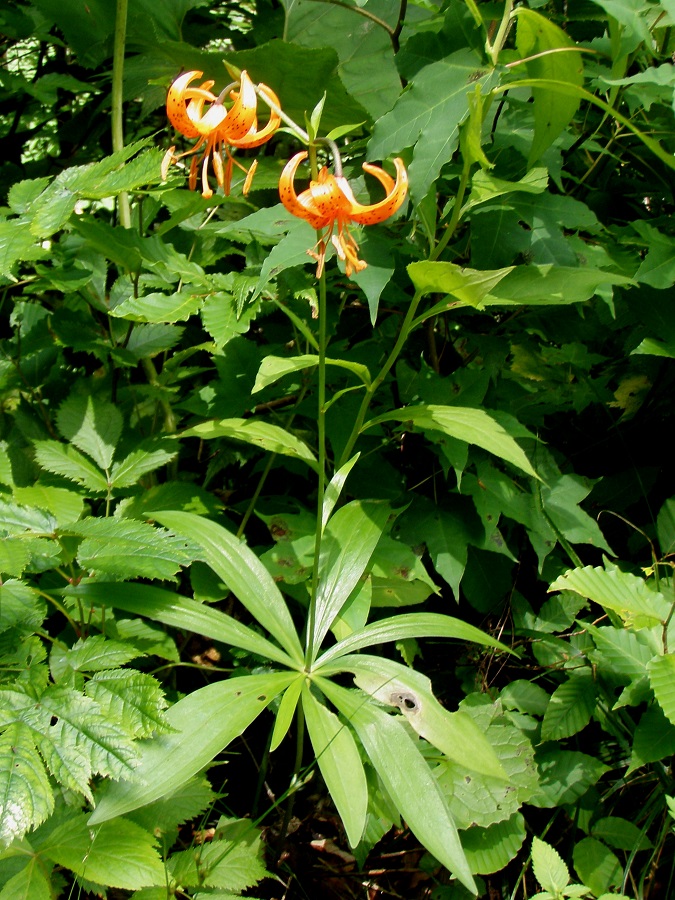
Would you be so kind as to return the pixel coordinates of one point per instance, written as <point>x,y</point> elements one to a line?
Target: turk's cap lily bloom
<point>330,200</point>
<point>197,112</point>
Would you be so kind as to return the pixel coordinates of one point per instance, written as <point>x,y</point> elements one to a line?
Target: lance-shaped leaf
<point>408,625</point>
<point>178,612</point>
<point>62,459</point>
<point>340,764</point>
<point>242,572</point>
<point>93,425</point>
<point>454,734</point>
<point>264,435</point>
<point>26,797</point>
<point>349,540</point>
<point>474,426</point>
<point>205,722</point>
<point>273,368</point>
<point>406,777</point>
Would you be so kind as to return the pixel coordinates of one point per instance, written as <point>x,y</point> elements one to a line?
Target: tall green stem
<point>123,208</point>
<point>381,375</point>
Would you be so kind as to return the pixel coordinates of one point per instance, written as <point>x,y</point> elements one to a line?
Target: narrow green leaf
<point>217,713</point>
<point>343,560</point>
<point>264,435</point>
<point>570,707</point>
<point>409,691</point>
<point>139,462</point>
<point>334,489</point>
<point>273,368</point>
<point>408,625</point>
<point>178,612</point>
<point>287,707</point>
<point>474,426</point>
<point>549,868</point>
<point>406,776</point>
<point>158,307</point>
<point>242,572</point>
<point>340,764</point>
<point>28,884</point>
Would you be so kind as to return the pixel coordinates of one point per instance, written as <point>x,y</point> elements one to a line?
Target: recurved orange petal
<point>396,193</point>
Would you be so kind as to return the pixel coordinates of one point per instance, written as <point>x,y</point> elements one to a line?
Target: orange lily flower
<point>217,128</point>
<point>330,199</point>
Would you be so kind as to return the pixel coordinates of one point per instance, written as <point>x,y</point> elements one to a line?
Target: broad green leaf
<point>623,593</point>
<point>654,738</point>
<point>158,307</point>
<point>468,287</point>
<point>665,527</point>
<point>620,834</point>
<point>62,459</point>
<point>26,797</point>
<point>621,652</point>
<point>550,285</point>
<point>14,558</point>
<point>28,884</point>
<point>474,426</point>
<point>126,548</point>
<point>343,560</point>
<point>427,117</point>
<point>662,679</point>
<point>17,243</point>
<point>178,612</point>
<point>293,249</point>
<point>570,707</point>
<point>408,625</point>
<point>340,764</point>
<point>566,775</point>
<point>406,776</point>
<point>454,734</point>
<point>273,368</point>
<point>596,865</point>
<point>242,572</point>
<point>218,713</point>
<point>539,37</point>
<point>548,866</point>
<point>66,506</point>
<point>185,804</point>
<point>561,498</point>
<point>286,711</point>
<point>20,604</point>
<point>483,800</point>
<point>96,652</point>
<point>119,854</point>
<point>222,320</point>
<point>491,849</point>
<point>367,65</point>
<point>264,435</point>
<point>17,519</point>
<point>232,860</point>
<point>486,187</point>
<point>93,425</point>
<point>525,696</point>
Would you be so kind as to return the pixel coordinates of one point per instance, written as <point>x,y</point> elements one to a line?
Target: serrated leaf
<point>17,243</point>
<point>230,860</point>
<point>407,778</point>
<point>119,854</point>
<point>570,707</point>
<point>93,425</point>
<point>28,884</point>
<point>623,593</point>
<point>340,764</point>
<point>139,462</point>
<point>129,549</point>
<point>548,866</point>
<point>94,653</point>
<point>66,506</point>
<point>20,604</point>
<point>654,738</point>
<point>14,558</point>
<point>620,834</point>
<point>131,698</point>
<point>26,797</point>
<point>662,679</point>
<point>62,459</point>
<point>157,307</point>
<point>264,435</point>
<point>186,803</point>
<point>474,426</point>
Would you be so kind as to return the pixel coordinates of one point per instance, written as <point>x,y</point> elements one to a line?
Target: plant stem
<point>382,374</point>
<point>299,746</point>
<point>123,208</point>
